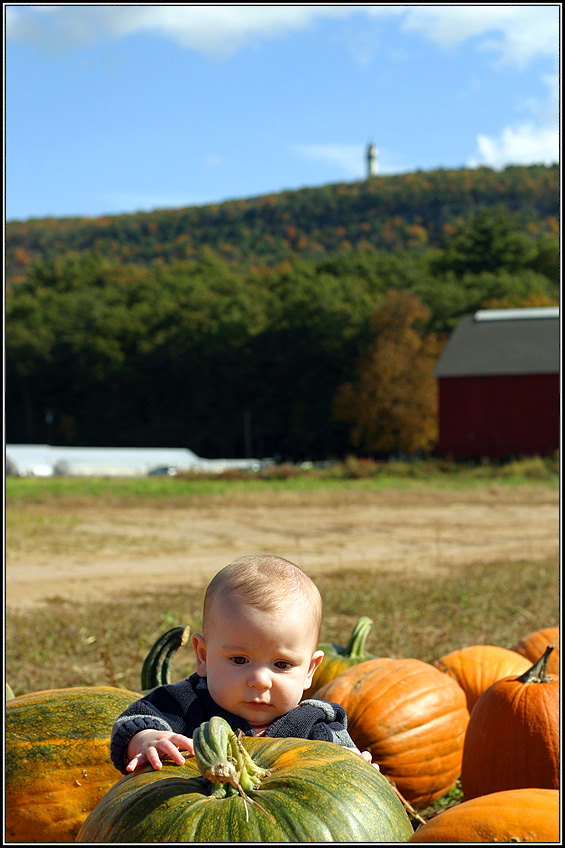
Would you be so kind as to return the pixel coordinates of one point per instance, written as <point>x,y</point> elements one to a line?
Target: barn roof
<point>503,341</point>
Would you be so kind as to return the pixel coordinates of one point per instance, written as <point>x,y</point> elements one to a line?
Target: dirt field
<point>86,553</point>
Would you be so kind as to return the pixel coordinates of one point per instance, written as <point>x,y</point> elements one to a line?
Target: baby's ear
<point>317,658</point>
<point>199,645</point>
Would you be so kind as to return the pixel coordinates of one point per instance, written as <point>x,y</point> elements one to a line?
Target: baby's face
<point>257,664</point>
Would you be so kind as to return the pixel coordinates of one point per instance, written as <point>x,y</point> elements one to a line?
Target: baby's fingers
<point>152,756</point>
<point>183,743</point>
<point>171,750</point>
<point>369,758</point>
<point>136,761</point>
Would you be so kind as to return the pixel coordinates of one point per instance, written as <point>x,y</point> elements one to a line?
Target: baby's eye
<point>238,660</point>
<point>283,665</point>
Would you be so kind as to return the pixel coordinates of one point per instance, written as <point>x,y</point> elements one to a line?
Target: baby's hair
<point>267,582</point>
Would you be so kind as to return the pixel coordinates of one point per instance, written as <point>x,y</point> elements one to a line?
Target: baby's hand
<point>366,756</point>
<point>146,746</point>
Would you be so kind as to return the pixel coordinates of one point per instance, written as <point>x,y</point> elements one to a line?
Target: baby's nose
<point>260,678</point>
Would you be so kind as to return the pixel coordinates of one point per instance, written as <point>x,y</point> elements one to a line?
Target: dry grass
<point>64,643</point>
<point>68,644</point>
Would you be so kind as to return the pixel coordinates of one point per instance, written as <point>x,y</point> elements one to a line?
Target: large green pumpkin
<point>249,789</point>
<point>57,743</point>
<point>57,757</point>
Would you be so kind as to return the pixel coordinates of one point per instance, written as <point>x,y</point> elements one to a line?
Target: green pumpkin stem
<point>225,762</point>
<point>251,774</point>
<point>538,672</point>
<point>355,648</point>
<point>155,669</point>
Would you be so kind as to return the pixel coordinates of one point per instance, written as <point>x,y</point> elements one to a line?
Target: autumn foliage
<point>393,404</point>
<point>303,325</point>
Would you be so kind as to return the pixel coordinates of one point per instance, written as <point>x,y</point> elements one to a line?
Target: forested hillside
<point>389,213</point>
<point>300,325</point>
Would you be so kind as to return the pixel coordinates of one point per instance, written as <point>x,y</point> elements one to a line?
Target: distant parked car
<point>11,468</point>
<point>163,471</point>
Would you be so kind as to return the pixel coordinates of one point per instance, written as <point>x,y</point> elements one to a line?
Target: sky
<point>113,109</point>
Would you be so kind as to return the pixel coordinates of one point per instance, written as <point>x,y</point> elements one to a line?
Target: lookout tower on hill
<point>372,160</point>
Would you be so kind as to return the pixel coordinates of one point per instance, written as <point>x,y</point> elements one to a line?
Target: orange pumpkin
<point>534,644</point>
<point>411,716</point>
<point>512,741</point>
<point>516,815</point>
<point>476,667</point>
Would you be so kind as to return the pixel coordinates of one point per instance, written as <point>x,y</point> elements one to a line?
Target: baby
<point>256,655</point>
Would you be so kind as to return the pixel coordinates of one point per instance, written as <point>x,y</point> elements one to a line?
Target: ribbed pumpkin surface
<point>512,740</point>
<point>58,763</point>
<point>411,716</point>
<point>476,667</point>
<point>517,815</point>
<point>315,792</point>
<point>534,644</point>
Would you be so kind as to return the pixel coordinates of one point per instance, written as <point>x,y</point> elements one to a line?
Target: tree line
<point>412,211</point>
<point>307,359</point>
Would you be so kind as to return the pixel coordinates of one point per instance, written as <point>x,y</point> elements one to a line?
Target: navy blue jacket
<point>181,707</point>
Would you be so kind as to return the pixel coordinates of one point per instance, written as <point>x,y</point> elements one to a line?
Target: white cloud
<point>534,141</point>
<point>216,31</point>
<point>516,34</point>
<point>22,28</point>
<point>526,144</point>
<point>547,111</point>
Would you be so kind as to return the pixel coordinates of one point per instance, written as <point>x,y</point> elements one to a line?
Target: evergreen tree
<point>487,241</point>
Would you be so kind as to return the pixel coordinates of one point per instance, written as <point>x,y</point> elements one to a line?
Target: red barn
<point>498,380</point>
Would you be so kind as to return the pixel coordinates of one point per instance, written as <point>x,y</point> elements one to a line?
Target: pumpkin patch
<point>411,715</point>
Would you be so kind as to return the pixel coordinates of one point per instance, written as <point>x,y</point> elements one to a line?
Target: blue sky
<point>113,109</point>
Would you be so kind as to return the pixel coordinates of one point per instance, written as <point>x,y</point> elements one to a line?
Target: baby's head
<point>268,583</point>
<point>260,631</point>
